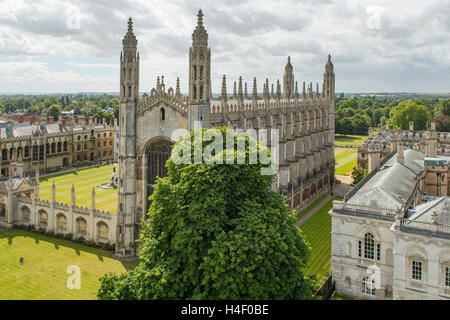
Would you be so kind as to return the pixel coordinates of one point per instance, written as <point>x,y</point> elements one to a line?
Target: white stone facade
<point>389,239</point>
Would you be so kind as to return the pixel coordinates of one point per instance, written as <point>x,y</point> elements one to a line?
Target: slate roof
<point>392,184</point>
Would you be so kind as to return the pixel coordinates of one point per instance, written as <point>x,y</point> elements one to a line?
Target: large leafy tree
<point>216,231</point>
<point>407,111</point>
<point>54,111</point>
<point>443,107</point>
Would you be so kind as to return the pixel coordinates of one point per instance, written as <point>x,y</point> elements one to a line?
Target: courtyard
<point>83,180</point>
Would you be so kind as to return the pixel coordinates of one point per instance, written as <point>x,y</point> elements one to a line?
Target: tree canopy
<point>216,231</point>
<point>407,111</point>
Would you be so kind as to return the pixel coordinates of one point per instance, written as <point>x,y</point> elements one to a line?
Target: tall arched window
<point>163,114</point>
<point>369,246</point>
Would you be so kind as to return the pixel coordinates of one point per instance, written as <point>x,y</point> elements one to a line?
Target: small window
<point>378,252</point>
<point>163,114</point>
<point>417,270</point>
<point>447,276</point>
<point>359,248</point>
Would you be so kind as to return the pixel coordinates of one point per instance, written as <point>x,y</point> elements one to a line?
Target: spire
<point>288,64</point>
<point>278,89</point>
<point>266,88</point>
<point>255,90</point>
<point>272,94</point>
<point>36,175</point>
<point>304,91</point>
<point>234,91</point>
<point>19,164</point>
<point>93,198</point>
<point>53,191</point>
<point>240,95</point>
<point>177,90</point>
<point>245,91</point>
<point>72,195</point>
<point>129,42</point>
<point>317,90</point>
<point>200,36</point>
<point>130,26</point>
<point>296,90</point>
<point>224,88</point>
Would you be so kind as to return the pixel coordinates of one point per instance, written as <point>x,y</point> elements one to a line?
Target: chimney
<point>433,125</point>
<point>374,157</point>
<point>400,156</point>
<point>380,128</point>
<point>370,132</point>
<point>387,125</point>
<point>411,126</point>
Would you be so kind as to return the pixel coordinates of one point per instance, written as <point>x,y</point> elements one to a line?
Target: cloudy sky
<point>73,46</point>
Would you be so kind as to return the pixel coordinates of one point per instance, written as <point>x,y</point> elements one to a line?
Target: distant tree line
<point>99,106</point>
<point>356,115</point>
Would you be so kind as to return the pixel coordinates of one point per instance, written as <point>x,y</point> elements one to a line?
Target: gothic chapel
<point>305,122</point>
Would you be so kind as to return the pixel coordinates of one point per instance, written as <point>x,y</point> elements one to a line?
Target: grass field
<point>317,231</point>
<point>349,140</point>
<point>84,180</point>
<point>311,206</point>
<point>43,275</point>
<point>345,160</point>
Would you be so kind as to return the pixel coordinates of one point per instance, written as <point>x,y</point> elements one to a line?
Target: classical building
<point>391,233</point>
<point>305,122</point>
<point>50,147</point>
<point>386,141</point>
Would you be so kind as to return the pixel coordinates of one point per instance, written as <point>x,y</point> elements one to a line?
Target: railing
<point>363,211</point>
<point>424,228</point>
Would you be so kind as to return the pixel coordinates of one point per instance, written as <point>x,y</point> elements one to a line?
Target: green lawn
<point>311,206</point>
<point>349,140</point>
<point>345,160</point>
<point>43,275</point>
<point>317,231</point>
<point>84,180</point>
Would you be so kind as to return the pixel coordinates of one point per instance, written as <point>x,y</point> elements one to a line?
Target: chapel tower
<point>129,98</point>
<point>199,76</point>
<point>328,79</point>
<point>288,80</point>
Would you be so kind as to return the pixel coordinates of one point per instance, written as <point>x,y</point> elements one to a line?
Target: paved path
<point>303,219</point>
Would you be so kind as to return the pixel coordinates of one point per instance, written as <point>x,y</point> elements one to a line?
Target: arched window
<point>369,246</point>
<point>81,226</point>
<point>43,218</point>
<point>103,230</point>
<point>61,222</point>
<point>368,286</point>
<point>163,114</point>
<point>25,214</point>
